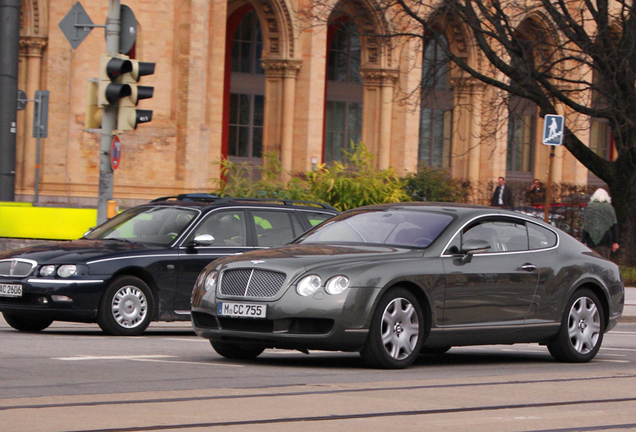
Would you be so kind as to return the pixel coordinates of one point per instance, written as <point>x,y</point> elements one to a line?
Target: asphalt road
<point>72,378</point>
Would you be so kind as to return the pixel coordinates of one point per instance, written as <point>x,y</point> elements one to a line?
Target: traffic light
<point>111,69</point>
<point>128,116</point>
<point>93,115</point>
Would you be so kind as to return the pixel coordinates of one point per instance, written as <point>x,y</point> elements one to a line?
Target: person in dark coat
<point>535,194</point>
<point>600,231</point>
<point>502,197</point>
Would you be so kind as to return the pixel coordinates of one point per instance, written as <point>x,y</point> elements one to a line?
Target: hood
<point>293,258</point>
<point>73,252</point>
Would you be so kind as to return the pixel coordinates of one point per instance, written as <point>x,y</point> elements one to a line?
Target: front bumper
<point>319,322</point>
<point>39,297</point>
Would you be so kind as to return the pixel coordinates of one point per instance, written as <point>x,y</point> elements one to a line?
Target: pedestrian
<point>600,232</point>
<point>502,197</point>
<point>535,195</point>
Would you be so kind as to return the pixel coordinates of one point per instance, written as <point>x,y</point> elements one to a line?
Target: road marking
<point>188,340</point>
<point>142,358</point>
<point>187,362</point>
<point>613,361</point>
<point>617,349</point>
<point>128,357</point>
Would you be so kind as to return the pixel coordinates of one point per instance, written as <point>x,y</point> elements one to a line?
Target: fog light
<point>43,300</point>
<point>61,298</point>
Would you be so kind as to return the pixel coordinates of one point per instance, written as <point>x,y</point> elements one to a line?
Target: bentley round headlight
<point>210,280</point>
<point>337,284</point>
<point>47,270</point>
<point>309,285</point>
<point>67,271</point>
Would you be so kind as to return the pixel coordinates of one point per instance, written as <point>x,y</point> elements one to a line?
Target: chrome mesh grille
<point>16,267</point>
<point>251,283</point>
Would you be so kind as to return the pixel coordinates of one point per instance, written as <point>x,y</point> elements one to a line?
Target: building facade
<point>245,78</point>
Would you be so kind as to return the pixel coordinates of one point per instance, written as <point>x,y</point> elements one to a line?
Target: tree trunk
<point>623,193</point>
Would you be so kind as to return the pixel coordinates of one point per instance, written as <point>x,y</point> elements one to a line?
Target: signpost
<point>40,130</point>
<point>553,129</point>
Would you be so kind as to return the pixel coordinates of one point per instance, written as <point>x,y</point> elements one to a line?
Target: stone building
<point>241,78</point>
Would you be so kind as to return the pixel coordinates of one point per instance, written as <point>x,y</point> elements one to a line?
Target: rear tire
<point>396,332</point>
<point>126,307</point>
<point>25,323</point>
<point>235,351</point>
<point>582,327</point>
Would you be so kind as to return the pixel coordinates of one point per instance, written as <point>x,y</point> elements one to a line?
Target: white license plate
<point>10,290</point>
<point>243,310</point>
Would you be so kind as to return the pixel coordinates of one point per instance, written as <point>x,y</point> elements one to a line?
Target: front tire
<point>235,351</point>
<point>126,307</point>
<point>26,324</point>
<point>582,327</point>
<point>396,332</point>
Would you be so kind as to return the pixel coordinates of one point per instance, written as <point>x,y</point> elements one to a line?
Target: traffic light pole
<point>109,117</point>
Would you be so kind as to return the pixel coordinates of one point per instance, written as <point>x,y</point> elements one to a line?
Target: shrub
<point>436,184</point>
<point>356,183</point>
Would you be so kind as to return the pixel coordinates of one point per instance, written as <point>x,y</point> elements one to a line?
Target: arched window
<point>343,107</point>
<point>522,113</point>
<point>247,88</point>
<point>521,136</point>
<point>436,108</point>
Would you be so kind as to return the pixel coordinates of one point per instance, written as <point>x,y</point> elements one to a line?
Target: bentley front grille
<point>251,283</point>
<point>17,267</point>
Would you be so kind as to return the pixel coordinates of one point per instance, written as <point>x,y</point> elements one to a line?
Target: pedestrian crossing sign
<point>553,126</point>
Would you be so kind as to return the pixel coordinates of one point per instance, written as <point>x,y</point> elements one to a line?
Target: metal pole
<point>109,118</point>
<point>9,57</point>
<point>549,188</point>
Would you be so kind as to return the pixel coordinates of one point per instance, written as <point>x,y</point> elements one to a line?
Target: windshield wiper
<point>119,239</point>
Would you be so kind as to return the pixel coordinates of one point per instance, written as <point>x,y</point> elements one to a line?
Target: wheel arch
<point>147,278</point>
<point>419,294</point>
<point>602,296</point>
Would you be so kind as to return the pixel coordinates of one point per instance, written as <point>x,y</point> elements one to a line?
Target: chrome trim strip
<point>131,257</point>
<point>64,282</point>
<point>356,330</point>
<point>182,312</point>
<point>522,217</point>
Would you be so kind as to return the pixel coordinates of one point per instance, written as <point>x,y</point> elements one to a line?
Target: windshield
<point>398,227</point>
<point>154,225</point>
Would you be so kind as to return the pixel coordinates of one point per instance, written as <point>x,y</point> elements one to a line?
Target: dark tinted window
<point>273,228</point>
<point>502,235</point>
<point>395,227</point>
<point>226,226</point>
<point>541,238</point>
<point>155,225</point>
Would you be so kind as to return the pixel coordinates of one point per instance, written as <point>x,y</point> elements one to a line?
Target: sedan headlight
<point>337,284</point>
<point>210,280</point>
<point>67,271</point>
<point>309,285</point>
<point>47,270</point>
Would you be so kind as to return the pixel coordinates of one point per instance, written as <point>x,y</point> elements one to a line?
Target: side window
<point>313,218</point>
<point>226,226</point>
<point>541,238</point>
<point>275,228</point>
<point>503,236</point>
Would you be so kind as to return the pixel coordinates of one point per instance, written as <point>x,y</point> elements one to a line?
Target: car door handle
<point>529,267</point>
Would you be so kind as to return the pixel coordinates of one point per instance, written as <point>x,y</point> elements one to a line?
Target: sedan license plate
<point>10,290</point>
<point>243,310</point>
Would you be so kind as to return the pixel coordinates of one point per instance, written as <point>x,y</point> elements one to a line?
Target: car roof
<point>203,201</point>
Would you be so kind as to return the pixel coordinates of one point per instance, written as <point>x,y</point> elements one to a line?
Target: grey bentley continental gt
<point>393,281</point>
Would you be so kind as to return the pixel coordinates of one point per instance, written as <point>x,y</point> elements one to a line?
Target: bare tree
<point>572,57</point>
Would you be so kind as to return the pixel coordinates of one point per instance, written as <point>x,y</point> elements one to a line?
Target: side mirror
<point>203,240</point>
<point>471,247</point>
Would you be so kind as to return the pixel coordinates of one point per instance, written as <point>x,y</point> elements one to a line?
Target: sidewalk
<point>629,313</point>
